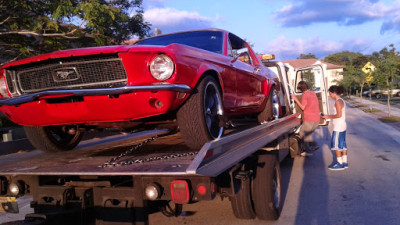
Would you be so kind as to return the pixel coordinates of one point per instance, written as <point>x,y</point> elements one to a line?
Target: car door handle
<point>257,69</point>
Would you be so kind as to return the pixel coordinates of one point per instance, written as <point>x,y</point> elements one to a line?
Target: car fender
<point>212,70</point>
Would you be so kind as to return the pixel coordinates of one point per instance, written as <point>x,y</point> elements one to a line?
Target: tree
<point>308,56</point>
<point>343,58</point>
<point>387,70</point>
<point>353,75</point>
<point>30,28</point>
<point>348,81</point>
<point>356,75</point>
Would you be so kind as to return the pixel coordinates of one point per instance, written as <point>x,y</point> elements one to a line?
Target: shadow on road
<point>313,204</point>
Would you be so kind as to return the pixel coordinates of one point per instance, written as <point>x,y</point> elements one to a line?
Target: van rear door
<point>314,76</point>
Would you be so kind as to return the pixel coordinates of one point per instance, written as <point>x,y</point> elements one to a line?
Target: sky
<point>287,28</point>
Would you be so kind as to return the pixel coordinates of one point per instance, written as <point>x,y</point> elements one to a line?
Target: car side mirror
<point>243,54</point>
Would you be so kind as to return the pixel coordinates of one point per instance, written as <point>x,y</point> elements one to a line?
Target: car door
<point>314,76</point>
<point>248,80</point>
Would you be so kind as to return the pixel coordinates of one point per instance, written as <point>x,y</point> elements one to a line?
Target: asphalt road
<point>368,192</point>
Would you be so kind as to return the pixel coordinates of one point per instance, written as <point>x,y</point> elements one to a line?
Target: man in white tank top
<point>338,143</point>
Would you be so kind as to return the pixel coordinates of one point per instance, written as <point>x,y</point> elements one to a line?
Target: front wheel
<point>54,138</point>
<point>200,118</point>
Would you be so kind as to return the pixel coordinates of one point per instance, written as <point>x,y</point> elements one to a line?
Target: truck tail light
<point>180,191</point>
<point>202,189</point>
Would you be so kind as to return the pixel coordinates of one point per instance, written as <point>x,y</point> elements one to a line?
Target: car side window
<point>238,48</point>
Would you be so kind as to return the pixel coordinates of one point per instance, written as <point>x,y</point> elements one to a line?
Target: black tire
<point>199,119</point>
<point>241,202</point>
<point>378,96</point>
<point>267,188</point>
<point>54,138</point>
<point>268,112</point>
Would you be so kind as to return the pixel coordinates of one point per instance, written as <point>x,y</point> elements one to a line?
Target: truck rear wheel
<point>54,138</point>
<point>199,119</point>
<point>267,188</point>
<point>241,202</point>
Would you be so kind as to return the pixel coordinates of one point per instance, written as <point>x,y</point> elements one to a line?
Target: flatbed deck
<point>166,155</point>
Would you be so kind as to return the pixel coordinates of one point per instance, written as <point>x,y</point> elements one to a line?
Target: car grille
<point>70,73</point>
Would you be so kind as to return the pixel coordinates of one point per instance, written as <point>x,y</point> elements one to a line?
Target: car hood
<point>72,52</point>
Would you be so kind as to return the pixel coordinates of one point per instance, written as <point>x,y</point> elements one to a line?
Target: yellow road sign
<point>368,68</point>
<point>369,78</point>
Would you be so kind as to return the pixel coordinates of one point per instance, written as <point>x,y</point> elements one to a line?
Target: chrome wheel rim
<point>61,134</point>
<point>275,105</point>
<point>213,110</point>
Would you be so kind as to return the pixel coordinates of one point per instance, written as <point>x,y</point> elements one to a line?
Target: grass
<point>352,101</point>
<point>373,110</point>
<point>393,119</point>
<point>360,106</point>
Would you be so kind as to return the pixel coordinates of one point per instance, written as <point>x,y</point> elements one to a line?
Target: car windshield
<point>207,40</point>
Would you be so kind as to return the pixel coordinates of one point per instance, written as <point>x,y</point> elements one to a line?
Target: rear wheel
<point>200,118</point>
<point>267,189</point>
<point>241,201</point>
<point>54,138</point>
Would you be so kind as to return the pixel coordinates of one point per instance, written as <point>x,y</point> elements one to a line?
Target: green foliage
<point>347,58</point>
<point>30,28</point>
<point>353,77</point>
<point>309,77</point>
<point>386,74</point>
<point>387,70</point>
<point>308,56</point>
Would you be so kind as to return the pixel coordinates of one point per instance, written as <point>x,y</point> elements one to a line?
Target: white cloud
<point>286,49</point>
<point>170,19</point>
<point>345,12</point>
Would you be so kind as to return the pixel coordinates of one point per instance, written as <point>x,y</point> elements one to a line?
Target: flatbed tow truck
<point>111,183</point>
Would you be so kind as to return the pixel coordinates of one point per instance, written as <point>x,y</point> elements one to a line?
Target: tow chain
<point>113,162</point>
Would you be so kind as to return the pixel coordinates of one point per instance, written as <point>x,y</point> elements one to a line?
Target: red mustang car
<point>201,78</point>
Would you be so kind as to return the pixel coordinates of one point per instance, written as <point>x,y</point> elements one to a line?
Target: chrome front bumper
<point>94,92</point>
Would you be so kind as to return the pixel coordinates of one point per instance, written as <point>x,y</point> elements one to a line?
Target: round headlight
<point>162,67</point>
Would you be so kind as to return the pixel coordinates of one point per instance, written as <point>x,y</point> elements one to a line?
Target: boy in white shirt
<point>338,143</point>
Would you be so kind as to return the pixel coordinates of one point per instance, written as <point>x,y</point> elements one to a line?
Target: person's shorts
<point>338,141</point>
